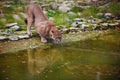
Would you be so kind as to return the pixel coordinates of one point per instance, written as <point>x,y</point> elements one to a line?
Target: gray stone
<point>64,8</point>
<point>24,15</point>
<point>7,6</point>
<point>2,15</point>
<point>113,24</point>
<point>54,5</point>
<point>16,27</point>
<point>75,24</point>
<point>6,32</point>
<point>83,26</point>
<point>15,16</point>
<point>80,19</point>
<point>104,24</point>
<point>23,36</point>
<point>108,15</point>
<point>11,24</point>
<point>14,38</point>
<point>71,13</point>
<point>2,38</point>
<point>65,30</point>
<point>51,18</point>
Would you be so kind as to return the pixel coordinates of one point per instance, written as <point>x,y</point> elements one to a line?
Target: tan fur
<point>45,28</point>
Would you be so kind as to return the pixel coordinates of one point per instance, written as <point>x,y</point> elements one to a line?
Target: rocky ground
<point>15,31</point>
<point>13,46</point>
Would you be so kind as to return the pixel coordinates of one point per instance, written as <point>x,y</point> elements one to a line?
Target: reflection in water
<point>39,59</point>
<point>82,60</point>
<point>98,76</point>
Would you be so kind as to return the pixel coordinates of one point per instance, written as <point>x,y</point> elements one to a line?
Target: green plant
<point>2,24</point>
<point>114,8</point>
<point>92,11</point>
<point>9,18</point>
<point>77,9</point>
<point>60,18</point>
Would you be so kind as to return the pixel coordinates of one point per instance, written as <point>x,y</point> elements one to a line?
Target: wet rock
<point>13,38</point>
<point>23,36</point>
<point>2,38</point>
<point>15,16</point>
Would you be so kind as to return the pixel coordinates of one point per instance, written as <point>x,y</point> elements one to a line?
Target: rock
<point>23,15</point>
<point>104,24</point>
<point>23,36</point>
<point>80,19</point>
<point>83,26</point>
<point>7,6</point>
<point>6,32</point>
<point>73,29</point>
<point>51,18</point>
<point>13,26</point>
<point>67,19</point>
<point>75,24</point>
<point>100,14</point>
<point>65,30</point>
<point>2,15</point>
<point>54,5</point>
<point>113,24</point>
<point>108,15</point>
<point>2,38</point>
<point>14,38</point>
<point>15,16</point>
<point>64,8</point>
<point>16,27</point>
<point>71,13</point>
<point>10,25</point>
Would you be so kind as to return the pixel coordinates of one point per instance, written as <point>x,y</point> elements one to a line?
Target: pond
<point>92,59</point>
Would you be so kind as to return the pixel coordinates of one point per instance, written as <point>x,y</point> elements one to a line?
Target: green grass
<point>60,17</point>
<point>9,18</point>
<point>2,24</point>
<point>92,11</point>
<point>114,8</point>
<point>77,9</point>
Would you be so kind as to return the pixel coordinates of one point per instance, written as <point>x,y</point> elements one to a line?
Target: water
<point>96,59</point>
